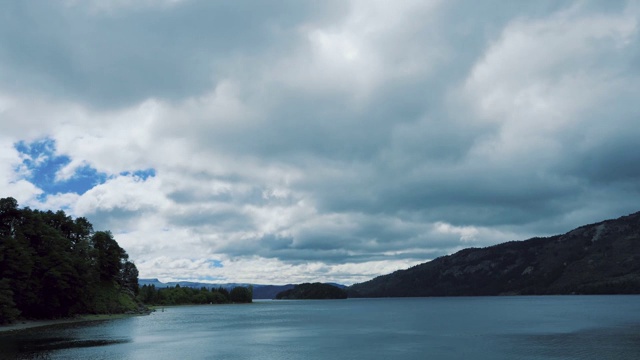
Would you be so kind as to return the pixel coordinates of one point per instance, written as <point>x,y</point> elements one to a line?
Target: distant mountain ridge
<point>600,258</point>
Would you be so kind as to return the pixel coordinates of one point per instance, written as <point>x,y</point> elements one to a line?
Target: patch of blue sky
<point>142,174</point>
<point>40,164</point>
<point>215,263</point>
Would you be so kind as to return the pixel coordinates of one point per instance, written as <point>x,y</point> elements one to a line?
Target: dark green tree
<point>240,294</point>
<point>9,214</point>
<point>129,277</point>
<point>109,256</point>
<point>8,310</point>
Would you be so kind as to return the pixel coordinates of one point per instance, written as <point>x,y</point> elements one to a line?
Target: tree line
<point>54,266</point>
<point>178,295</point>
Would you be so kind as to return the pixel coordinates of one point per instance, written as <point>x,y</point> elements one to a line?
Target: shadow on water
<point>54,343</point>
<point>39,343</point>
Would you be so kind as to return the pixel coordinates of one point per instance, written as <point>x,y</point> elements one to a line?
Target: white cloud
<point>376,42</point>
<point>466,233</point>
<point>12,183</point>
<point>121,201</point>
<point>544,85</point>
<point>55,202</point>
<point>542,74</point>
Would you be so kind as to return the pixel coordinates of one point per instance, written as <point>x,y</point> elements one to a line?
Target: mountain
<point>601,258</point>
<point>315,291</point>
<point>190,284</point>
<point>269,291</point>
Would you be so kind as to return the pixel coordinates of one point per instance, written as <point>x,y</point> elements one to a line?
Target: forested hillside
<point>315,291</point>
<point>601,258</point>
<point>54,266</point>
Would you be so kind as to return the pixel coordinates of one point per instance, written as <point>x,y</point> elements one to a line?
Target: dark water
<point>550,327</point>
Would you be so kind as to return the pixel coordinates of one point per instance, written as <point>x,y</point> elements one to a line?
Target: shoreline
<point>31,324</point>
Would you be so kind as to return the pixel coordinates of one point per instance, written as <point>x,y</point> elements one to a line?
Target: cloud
<point>119,53</point>
<point>331,141</point>
<point>12,175</point>
<point>270,271</point>
<point>120,201</point>
<point>115,6</point>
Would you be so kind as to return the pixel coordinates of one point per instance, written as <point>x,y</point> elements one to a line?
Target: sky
<point>277,142</point>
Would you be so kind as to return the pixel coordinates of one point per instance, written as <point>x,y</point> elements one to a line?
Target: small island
<point>315,291</point>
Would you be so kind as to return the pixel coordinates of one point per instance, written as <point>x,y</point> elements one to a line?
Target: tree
<point>8,216</point>
<point>148,294</point>
<point>109,256</point>
<point>8,310</point>
<point>129,277</point>
<point>16,266</point>
<point>218,297</point>
<point>240,294</point>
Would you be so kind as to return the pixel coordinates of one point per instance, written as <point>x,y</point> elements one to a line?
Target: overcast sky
<point>287,141</point>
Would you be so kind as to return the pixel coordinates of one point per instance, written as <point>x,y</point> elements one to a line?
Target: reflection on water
<point>568,327</point>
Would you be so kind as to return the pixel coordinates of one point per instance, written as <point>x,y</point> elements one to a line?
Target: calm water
<point>568,327</point>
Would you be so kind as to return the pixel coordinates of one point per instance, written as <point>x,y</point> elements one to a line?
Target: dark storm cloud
<point>120,57</point>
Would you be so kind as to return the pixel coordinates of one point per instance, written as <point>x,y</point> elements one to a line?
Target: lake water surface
<point>543,327</point>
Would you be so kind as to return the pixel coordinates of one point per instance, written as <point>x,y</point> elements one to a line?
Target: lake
<point>519,327</point>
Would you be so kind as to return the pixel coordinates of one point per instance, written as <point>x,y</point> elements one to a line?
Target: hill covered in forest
<point>601,258</point>
<point>53,266</point>
<point>315,291</point>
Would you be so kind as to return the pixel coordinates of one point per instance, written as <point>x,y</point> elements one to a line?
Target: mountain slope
<point>601,258</point>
